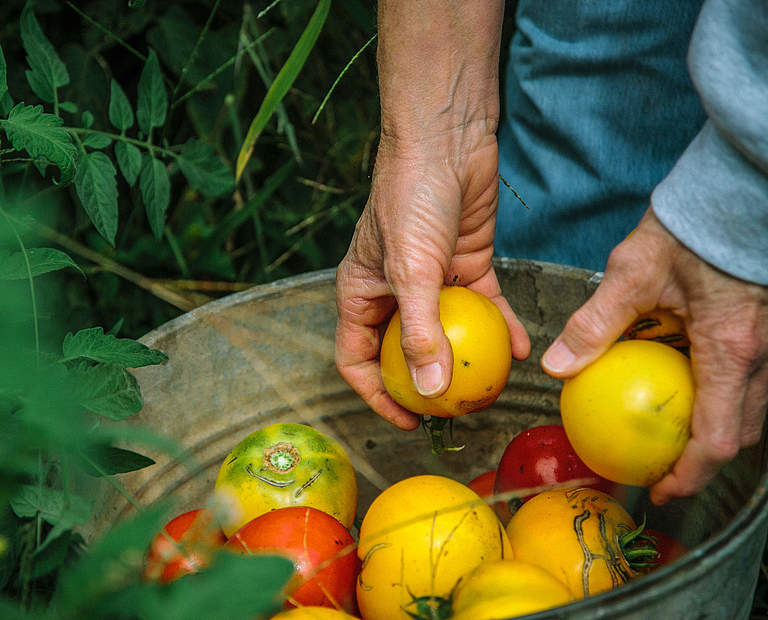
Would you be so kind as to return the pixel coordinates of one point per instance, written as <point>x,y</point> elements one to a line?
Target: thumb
<point>591,330</point>
<point>425,346</point>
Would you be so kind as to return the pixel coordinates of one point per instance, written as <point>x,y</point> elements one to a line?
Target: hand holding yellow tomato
<point>628,414</point>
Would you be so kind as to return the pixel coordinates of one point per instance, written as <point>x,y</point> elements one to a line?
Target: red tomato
<point>185,545</point>
<point>483,484</point>
<point>321,548</point>
<point>668,548</point>
<point>538,457</point>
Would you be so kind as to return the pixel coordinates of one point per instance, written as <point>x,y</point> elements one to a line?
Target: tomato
<point>312,613</point>
<point>482,356</point>
<point>321,548</point>
<point>538,457</point>
<point>507,588</point>
<point>628,413</point>
<point>185,545</point>
<point>483,484</point>
<point>668,548</point>
<point>417,539</point>
<point>659,325</point>
<point>285,464</point>
<point>578,534</point>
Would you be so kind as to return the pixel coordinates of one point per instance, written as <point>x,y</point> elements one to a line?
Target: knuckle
<point>722,448</point>
<point>585,328</point>
<point>415,341</point>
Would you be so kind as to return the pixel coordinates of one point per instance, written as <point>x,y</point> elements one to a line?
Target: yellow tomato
<point>313,613</point>
<point>482,356</point>
<point>628,413</point>
<point>576,535</point>
<point>506,588</point>
<point>417,539</point>
<point>280,465</point>
<point>659,325</point>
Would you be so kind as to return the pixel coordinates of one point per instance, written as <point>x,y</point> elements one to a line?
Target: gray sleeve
<point>715,199</point>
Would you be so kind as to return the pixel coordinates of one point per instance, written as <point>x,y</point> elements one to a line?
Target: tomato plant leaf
<point>96,187</point>
<point>112,563</point>
<point>107,390</point>
<point>96,141</point>
<point>60,509</point>
<point>47,71</point>
<point>94,344</point>
<point>41,260</point>
<point>199,595</point>
<point>155,189</point>
<point>283,82</point>
<point>204,169</point>
<point>41,135</point>
<point>152,96</point>
<point>104,459</point>
<point>129,159</point>
<point>120,109</point>
<point>3,75</point>
<point>53,554</point>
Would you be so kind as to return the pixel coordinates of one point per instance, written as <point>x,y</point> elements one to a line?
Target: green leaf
<point>41,260</point>
<point>3,75</point>
<point>199,595</point>
<point>96,186</point>
<point>129,160</point>
<point>92,343</point>
<point>107,390</point>
<point>96,141</point>
<point>47,71</point>
<point>156,192</point>
<point>41,135</point>
<point>120,109</point>
<point>52,555</point>
<point>60,509</point>
<point>87,119</point>
<point>111,564</point>
<point>69,106</point>
<point>204,169</point>
<point>283,82</point>
<point>111,460</point>
<point>152,96</point>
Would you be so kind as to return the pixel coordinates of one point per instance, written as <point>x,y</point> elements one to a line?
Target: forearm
<point>438,67</point>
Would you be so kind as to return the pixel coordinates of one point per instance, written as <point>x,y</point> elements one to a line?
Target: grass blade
<point>283,82</point>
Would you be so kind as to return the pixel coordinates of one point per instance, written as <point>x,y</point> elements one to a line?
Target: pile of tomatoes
<point>544,527</point>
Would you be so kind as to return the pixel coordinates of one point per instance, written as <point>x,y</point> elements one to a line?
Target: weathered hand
<point>727,323</point>
<point>429,220</point>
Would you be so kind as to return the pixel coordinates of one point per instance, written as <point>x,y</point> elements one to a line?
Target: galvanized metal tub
<point>266,355</point>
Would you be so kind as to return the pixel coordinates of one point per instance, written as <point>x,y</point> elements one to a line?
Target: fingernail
<point>558,357</point>
<point>428,379</point>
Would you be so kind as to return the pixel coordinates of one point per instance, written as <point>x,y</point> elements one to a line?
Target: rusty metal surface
<point>266,355</point>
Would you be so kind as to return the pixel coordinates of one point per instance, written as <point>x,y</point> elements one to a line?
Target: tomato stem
<point>434,426</point>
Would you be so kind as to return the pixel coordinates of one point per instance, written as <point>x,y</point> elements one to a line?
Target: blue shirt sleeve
<point>715,199</point>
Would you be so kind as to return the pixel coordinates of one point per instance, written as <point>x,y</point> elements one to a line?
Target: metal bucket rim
<point>748,517</point>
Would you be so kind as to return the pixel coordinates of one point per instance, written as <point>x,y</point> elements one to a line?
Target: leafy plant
<point>120,125</point>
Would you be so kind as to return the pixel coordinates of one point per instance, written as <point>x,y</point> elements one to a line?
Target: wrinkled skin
<point>431,217</point>
<point>727,322</point>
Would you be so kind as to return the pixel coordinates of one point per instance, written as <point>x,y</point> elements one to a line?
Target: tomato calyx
<point>430,608</point>
<point>434,427</point>
<point>639,549</point>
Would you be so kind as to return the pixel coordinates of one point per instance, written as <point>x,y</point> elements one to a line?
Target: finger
<point>357,348</point>
<point>591,329</point>
<point>720,379</point>
<point>488,284</point>
<point>425,346</point>
<point>755,407</point>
